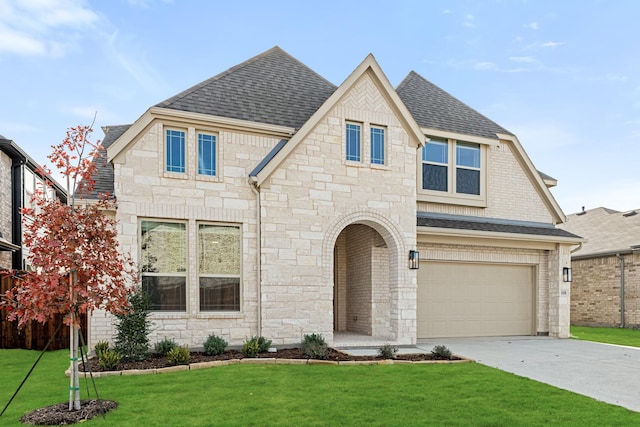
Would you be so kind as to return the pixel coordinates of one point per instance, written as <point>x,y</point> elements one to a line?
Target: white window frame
<point>384,145</point>
<point>217,155</point>
<point>345,144</point>
<point>165,165</point>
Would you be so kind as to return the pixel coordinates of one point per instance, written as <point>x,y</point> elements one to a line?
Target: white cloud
<point>534,26</point>
<point>145,4</point>
<point>468,21</point>
<point>552,44</point>
<point>484,66</point>
<point>525,59</point>
<point>42,27</point>
<point>616,77</point>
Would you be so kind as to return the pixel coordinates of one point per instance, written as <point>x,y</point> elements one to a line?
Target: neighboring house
<point>605,290</point>
<point>20,178</point>
<point>268,201</point>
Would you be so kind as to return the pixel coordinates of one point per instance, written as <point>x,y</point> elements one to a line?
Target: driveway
<point>609,373</point>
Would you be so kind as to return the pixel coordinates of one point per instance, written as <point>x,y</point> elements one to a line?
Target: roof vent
<point>630,213</point>
<point>583,212</point>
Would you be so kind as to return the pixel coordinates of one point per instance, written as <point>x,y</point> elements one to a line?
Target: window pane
<point>219,249</point>
<point>353,142</point>
<point>219,294</point>
<point>167,293</point>
<point>175,151</point>
<point>163,247</point>
<point>206,154</point>
<point>434,177</point>
<point>467,181</point>
<point>468,154</point>
<point>377,146</point>
<point>436,151</point>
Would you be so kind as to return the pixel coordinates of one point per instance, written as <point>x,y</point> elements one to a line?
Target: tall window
<point>163,261</point>
<point>467,168</point>
<point>353,142</point>
<point>377,146</point>
<point>206,154</point>
<point>219,260</point>
<point>435,165</point>
<point>175,151</point>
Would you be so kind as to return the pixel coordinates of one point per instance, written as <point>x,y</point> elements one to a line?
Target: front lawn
<point>466,394</point>
<point>620,336</point>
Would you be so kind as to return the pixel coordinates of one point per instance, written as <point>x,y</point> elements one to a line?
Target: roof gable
<point>435,108</point>
<point>369,65</point>
<point>272,87</point>
<point>104,169</point>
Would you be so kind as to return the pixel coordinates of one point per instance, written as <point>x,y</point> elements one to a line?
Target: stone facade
<point>5,206</point>
<point>595,291</point>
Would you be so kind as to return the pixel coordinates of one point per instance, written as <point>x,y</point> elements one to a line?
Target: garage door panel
<point>466,299</point>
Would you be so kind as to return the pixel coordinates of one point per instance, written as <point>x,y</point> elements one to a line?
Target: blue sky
<point>564,76</point>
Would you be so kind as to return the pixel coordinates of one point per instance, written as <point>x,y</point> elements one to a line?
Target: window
<point>353,142</point>
<point>219,259</point>
<point>377,146</point>
<point>435,161</point>
<point>206,154</point>
<point>175,151</point>
<point>467,168</point>
<point>452,166</point>
<point>163,261</point>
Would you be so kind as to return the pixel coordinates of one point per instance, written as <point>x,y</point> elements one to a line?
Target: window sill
<point>207,178</point>
<point>176,175</point>
<point>453,199</point>
<point>220,315</point>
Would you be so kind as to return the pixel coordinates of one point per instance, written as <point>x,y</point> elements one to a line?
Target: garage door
<point>467,300</point>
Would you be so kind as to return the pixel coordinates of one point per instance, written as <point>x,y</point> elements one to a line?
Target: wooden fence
<point>34,335</point>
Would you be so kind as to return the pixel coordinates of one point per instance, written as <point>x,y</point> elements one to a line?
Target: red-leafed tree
<point>76,263</point>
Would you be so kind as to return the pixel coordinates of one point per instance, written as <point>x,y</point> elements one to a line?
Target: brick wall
<point>5,206</point>
<point>595,291</point>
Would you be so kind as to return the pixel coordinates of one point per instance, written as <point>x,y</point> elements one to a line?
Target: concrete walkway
<point>605,372</point>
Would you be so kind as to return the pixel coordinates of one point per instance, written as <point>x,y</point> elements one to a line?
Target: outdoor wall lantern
<point>566,274</point>
<point>414,260</point>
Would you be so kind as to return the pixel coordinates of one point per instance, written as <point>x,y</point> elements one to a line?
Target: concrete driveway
<point>609,373</point>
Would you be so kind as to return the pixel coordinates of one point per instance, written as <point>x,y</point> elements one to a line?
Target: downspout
<point>254,187</point>
<point>621,258</point>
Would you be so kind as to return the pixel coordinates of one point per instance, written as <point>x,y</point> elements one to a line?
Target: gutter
<point>621,258</point>
<point>253,183</point>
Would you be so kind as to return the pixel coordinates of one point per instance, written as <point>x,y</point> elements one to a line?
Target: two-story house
<point>20,178</point>
<point>268,201</point>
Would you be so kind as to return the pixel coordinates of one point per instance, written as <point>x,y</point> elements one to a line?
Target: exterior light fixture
<point>414,260</point>
<point>566,274</point>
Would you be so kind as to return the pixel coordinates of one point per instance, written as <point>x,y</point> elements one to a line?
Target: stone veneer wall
<point>595,291</point>
<point>5,206</point>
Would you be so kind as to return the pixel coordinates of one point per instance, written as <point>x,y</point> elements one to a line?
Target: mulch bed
<point>60,415</point>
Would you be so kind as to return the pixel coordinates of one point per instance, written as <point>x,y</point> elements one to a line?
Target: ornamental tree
<point>76,263</point>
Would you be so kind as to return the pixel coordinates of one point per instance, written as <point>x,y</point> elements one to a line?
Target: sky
<point>564,76</point>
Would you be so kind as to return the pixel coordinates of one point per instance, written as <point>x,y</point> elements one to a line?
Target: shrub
<point>215,345</point>
<point>255,345</point>
<point>100,347</point>
<point>109,359</point>
<point>133,328</point>
<point>165,346</point>
<point>179,355</point>
<point>314,346</point>
<point>387,351</point>
<point>441,352</point>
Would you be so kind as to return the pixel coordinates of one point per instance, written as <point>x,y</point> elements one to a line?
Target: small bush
<point>133,328</point>
<point>179,355</point>
<point>215,345</point>
<point>314,346</point>
<point>165,346</point>
<point>441,352</point>
<point>255,345</point>
<point>387,351</point>
<point>100,347</point>
<point>109,359</point>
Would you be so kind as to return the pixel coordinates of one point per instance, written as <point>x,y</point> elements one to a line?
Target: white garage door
<point>468,300</point>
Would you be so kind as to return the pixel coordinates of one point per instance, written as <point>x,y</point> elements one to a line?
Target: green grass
<point>620,336</point>
<point>465,394</point>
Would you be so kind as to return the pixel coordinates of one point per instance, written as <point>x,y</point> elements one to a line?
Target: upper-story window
<point>453,172</point>
<point>207,154</point>
<point>175,151</point>
<point>377,145</point>
<point>353,144</point>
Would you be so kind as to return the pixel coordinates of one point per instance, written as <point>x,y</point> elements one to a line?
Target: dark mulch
<point>156,361</point>
<point>60,415</point>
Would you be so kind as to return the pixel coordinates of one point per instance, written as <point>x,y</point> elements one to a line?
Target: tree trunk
<point>74,377</point>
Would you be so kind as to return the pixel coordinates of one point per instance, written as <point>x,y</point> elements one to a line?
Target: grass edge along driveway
<point>619,336</point>
<point>467,394</point>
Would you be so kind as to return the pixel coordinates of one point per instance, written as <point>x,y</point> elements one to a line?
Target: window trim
<point>165,134</point>
<point>373,161</point>
<point>346,142</point>
<point>239,276</point>
<point>216,173</point>
<point>451,196</point>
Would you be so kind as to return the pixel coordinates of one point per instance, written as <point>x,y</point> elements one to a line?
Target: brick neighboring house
<point>605,290</point>
<point>268,201</point>
<point>19,178</point>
